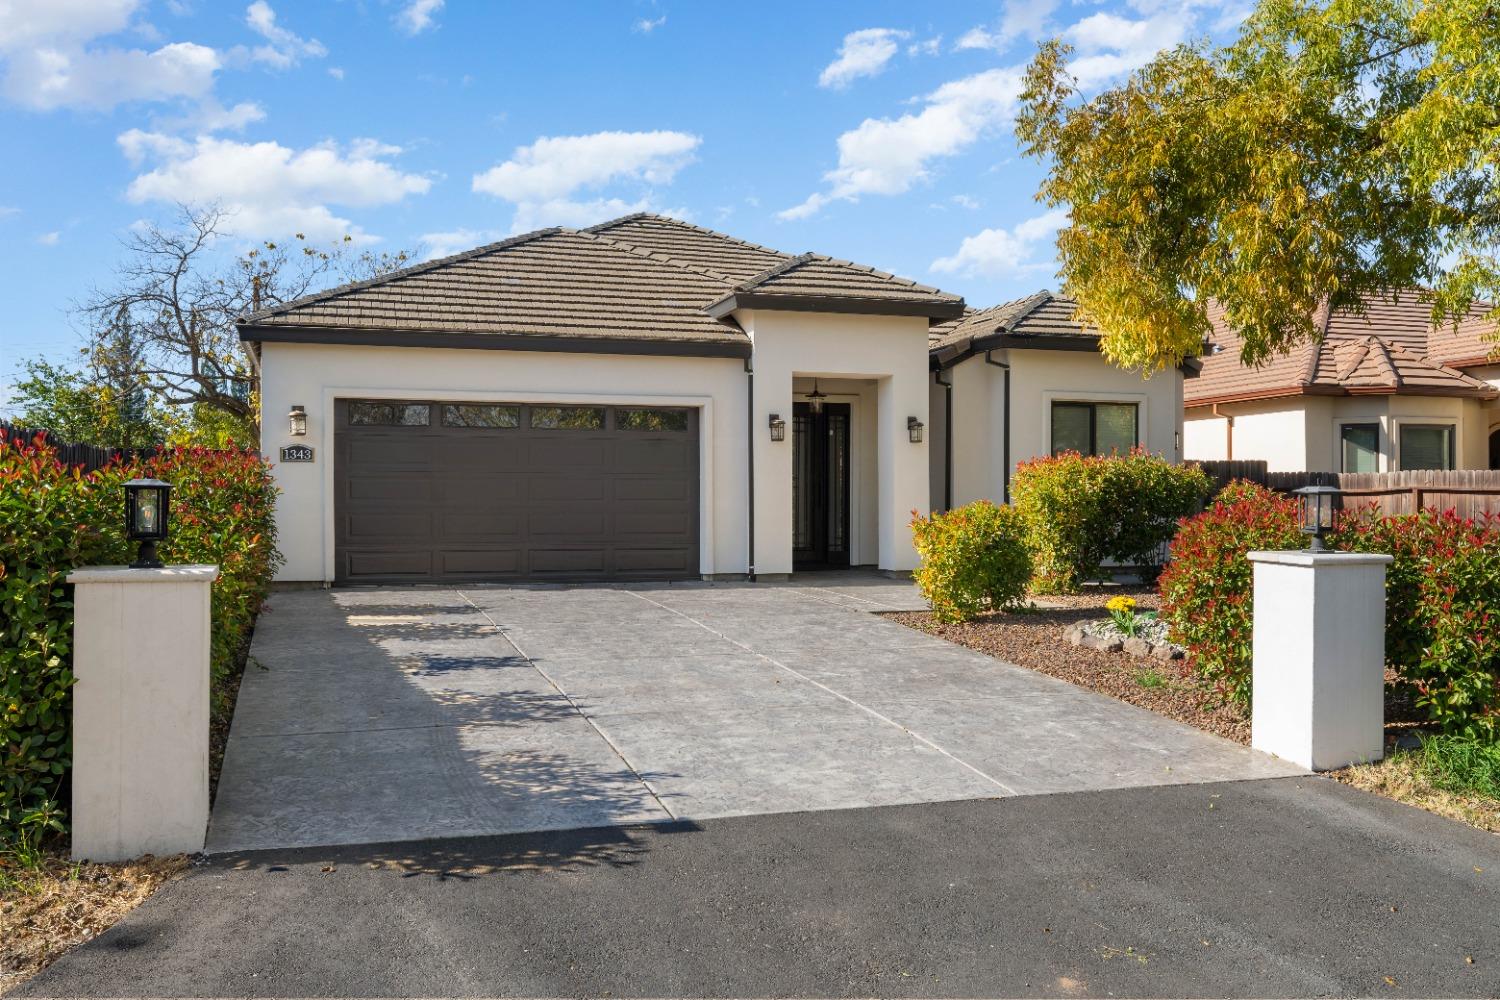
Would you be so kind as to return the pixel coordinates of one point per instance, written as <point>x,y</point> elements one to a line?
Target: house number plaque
<point>296,453</point>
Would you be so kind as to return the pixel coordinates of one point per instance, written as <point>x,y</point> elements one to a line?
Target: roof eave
<point>456,340</point>
<point>941,309</point>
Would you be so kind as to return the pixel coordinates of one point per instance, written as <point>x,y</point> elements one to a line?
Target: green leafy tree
<point>1337,149</point>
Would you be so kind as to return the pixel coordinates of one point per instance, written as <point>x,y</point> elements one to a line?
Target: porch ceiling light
<point>1317,504</point>
<point>815,398</point>
<point>147,505</point>
<point>778,428</point>
<point>298,419</point>
<point>914,429</point>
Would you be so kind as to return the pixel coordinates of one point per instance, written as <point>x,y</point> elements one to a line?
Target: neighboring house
<point>647,399</point>
<point>1381,392</point>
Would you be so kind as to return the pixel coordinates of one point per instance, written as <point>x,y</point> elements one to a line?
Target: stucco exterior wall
<point>890,353</point>
<point>313,376</point>
<point>1037,379</point>
<point>1302,433</point>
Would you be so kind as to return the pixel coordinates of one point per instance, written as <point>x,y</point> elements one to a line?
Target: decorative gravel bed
<point>1037,639</point>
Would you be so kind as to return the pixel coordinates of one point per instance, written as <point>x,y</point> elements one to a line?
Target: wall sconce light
<point>147,506</point>
<point>298,418</point>
<point>914,428</point>
<point>778,428</point>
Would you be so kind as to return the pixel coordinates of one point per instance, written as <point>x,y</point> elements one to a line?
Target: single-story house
<point>648,399</point>
<point>1384,391</point>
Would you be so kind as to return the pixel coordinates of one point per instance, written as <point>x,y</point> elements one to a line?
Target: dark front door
<point>820,486</point>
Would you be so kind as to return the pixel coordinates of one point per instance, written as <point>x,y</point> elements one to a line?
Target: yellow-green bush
<point>1081,511</point>
<point>974,559</point>
<point>53,518</point>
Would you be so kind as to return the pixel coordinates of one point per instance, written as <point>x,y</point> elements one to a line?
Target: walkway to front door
<point>396,714</point>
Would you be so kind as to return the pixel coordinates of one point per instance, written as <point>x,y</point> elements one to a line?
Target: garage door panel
<point>628,488</point>
<point>385,563</point>
<point>394,526</point>
<point>637,456</point>
<point>514,503</point>
<point>482,563</point>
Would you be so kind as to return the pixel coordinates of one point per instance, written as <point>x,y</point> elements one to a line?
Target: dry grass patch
<point>54,904</point>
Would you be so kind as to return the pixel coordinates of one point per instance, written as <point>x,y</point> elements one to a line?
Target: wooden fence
<point>1468,492</point>
<point>88,457</point>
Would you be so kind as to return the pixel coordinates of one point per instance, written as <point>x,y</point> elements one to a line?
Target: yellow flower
<point>1120,604</point>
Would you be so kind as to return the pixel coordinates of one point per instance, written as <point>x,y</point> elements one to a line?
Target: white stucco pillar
<point>140,710</point>
<point>1319,657</point>
<point>901,467</point>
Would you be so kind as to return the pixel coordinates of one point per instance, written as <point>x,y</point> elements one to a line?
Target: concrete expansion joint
<point>504,633</point>
<point>837,694</point>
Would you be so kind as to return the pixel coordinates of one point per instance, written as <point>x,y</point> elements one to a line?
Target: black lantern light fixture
<point>1318,504</point>
<point>914,429</point>
<point>815,398</point>
<point>298,420</point>
<point>147,506</point>
<point>778,428</point>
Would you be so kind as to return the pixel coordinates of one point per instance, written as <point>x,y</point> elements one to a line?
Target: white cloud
<point>1002,252</point>
<point>417,16</point>
<point>646,25</point>
<point>271,190</point>
<point>1020,19</point>
<point>44,78</point>
<point>337,72</point>
<point>283,49</point>
<point>927,47</point>
<point>889,155</point>
<point>966,201</point>
<point>1109,46</point>
<point>543,179</point>
<point>50,239</point>
<point>446,244</point>
<point>864,53</point>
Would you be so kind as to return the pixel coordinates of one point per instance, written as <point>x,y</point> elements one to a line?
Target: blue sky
<point>879,132</point>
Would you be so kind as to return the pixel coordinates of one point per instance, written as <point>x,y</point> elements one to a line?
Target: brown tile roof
<point>643,278</point>
<point>1044,316</point>
<point>1393,348</point>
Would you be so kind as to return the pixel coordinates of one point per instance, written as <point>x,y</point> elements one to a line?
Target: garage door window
<point>570,418</point>
<point>651,420</point>
<point>389,414</point>
<point>468,415</point>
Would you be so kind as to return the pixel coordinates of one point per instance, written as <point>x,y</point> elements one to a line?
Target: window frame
<point>1343,425</point>
<point>353,404</point>
<point>533,408</point>
<point>1093,409</point>
<point>1430,424</point>
<point>445,406</point>
<point>676,411</point>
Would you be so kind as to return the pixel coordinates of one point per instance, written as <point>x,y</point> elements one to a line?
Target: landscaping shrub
<point>974,559</point>
<point>1442,598</point>
<point>1206,587</point>
<point>1083,511</point>
<point>1442,613</point>
<point>54,518</point>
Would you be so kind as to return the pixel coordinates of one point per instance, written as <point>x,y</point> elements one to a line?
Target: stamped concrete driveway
<point>401,714</point>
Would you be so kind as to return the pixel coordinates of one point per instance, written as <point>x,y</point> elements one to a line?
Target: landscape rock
<point>1102,643</point>
<point>1137,647</point>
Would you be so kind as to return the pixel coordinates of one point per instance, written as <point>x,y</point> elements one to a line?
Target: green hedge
<point>1442,598</point>
<point>974,559</point>
<point>1081,511</point>
<point>53,518</point>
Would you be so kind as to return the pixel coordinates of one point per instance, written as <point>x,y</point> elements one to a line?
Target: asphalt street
<point>1278,887</point>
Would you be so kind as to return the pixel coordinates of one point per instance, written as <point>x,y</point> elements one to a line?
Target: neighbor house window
<point>469,415</point>
<point>651,420</point>
<point>1095,428</point>
<point>1360,446</point>
<point>1426,446</point>
<point>572,418</point>
<point>389,414</point>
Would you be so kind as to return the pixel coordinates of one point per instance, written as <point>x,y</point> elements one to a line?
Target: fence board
<point>87,457</point>
<point>1468,492</point>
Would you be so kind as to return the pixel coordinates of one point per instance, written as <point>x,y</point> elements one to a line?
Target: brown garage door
<point>511,491</point>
